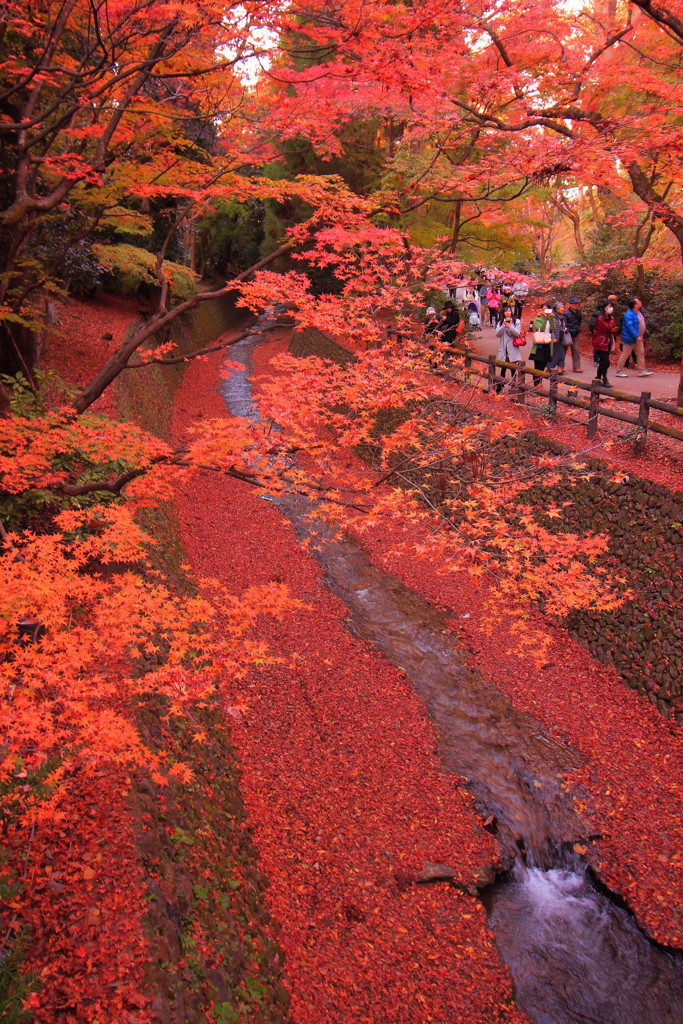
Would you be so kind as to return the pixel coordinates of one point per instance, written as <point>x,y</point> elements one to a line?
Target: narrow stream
<point>575,954</point>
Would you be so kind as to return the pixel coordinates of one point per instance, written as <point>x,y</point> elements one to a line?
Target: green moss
<point>131,270</point>
<point>229,956</point>
<point>146,396</point>
<point>215,951</point>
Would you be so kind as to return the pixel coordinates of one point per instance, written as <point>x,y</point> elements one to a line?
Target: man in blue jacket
<point>632,331</point>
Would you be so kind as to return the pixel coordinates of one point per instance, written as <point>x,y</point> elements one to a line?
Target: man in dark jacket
<point>574,318</point>
<point>449,322</point>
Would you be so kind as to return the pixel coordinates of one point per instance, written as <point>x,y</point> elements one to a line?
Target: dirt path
<point>662,458</point>
<point>661,383</point>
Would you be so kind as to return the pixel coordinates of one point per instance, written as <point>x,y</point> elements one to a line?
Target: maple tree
<point>512,106</point>
<point>127,118</point>
<point>90,129</point>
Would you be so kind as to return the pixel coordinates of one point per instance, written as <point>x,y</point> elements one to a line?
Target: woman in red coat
<point>604,333</point>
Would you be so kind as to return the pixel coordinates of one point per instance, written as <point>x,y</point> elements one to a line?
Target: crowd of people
<point>554,334</point>
<point>556,330</point>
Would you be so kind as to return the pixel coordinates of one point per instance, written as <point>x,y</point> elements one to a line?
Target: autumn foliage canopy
<point>131,121</point>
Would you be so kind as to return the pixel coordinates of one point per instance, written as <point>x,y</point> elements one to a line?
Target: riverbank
<point>301,727</point>
<point>141,900</point>
<point>344,790</point>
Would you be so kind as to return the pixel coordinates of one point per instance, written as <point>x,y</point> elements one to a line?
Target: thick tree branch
<point>228,343</point>
<point>656,203</point>
<point>120,359</point>
<point>662,16</point>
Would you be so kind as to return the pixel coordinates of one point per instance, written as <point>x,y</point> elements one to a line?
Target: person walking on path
<point>574,319</point>
<point>520,290</point>
<point>598,311</point>
<point>604,333</point>
<point>561,339</point>
<point>507,331</point>
<point>470,294</point>
<point>632,331</point>
<point>507,300</point>
<point>493,301</point>
<point>542,349</point>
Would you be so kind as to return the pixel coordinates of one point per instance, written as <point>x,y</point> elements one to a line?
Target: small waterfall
<point>577,957</point>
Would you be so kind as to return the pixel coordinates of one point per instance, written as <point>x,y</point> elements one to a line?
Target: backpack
<point>593,322</point>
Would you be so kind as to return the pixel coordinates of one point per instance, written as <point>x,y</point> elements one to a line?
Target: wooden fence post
<point>552,387</point>
<point>468,359</point>
<point>643,418</point>
<point>593,404</point>
<point>520,385</point>
<point>491,372</point>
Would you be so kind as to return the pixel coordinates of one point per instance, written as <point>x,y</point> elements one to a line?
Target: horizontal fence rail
<point>520,391</point>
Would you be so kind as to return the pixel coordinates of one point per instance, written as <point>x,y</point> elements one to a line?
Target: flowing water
<point>575,954</point>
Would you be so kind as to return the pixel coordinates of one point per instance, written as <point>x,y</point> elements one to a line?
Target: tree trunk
<point>457,214</point>
<point>640,286</point>
<point>19,349</point>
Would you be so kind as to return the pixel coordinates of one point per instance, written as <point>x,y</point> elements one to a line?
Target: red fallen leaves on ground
<point>83,901</point>
<point>661,461</point>
<point>633,772</point>
<point>344,790</point>
<point>77,347</point>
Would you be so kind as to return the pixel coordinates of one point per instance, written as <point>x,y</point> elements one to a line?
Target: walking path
<point>662,384</point>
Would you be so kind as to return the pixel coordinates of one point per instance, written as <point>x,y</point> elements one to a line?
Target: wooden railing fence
<point>520,392</point>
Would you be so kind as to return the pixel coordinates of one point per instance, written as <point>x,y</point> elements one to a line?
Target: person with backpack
<point>561,339</point>
<point>574,319</point>
<point>508,332</point>
<point>604,333</point>
<point>632,331</point>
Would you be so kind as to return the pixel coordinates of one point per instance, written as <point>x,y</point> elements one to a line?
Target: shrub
<point>664,313</point>
<point>80,271</point>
